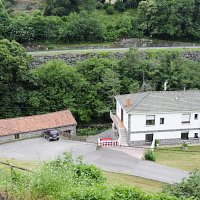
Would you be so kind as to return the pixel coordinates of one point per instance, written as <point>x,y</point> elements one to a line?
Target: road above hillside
<point>93,50</point>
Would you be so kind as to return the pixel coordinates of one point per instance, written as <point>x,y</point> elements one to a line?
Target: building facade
<point>172,117</point>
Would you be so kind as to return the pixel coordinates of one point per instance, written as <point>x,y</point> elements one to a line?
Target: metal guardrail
<point>14,167</point>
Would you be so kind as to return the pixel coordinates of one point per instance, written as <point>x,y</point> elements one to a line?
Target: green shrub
<point>150,155</point>
<point>110,10</point>
<point>187,188</point>
<point>119,6</point>
<point>99,6</point>
<point>87,131</point>
<point>157,142</point>
<point>184,144</point>
<point>125,192</point>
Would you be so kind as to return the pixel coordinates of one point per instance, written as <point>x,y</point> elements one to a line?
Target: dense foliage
<point>84,21</point>
<point>68,179</point>
<point>14,79</point>
<point>87,89</point>
<point>170,18</point>
<point>187,188</point>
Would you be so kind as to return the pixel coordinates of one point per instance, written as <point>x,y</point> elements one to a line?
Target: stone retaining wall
<point>146,42</point>
<point>72,59</point>
<point>164,142</point>
<point>22,136</point>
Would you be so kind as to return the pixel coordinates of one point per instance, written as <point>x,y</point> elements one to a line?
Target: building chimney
<point>128,102</point>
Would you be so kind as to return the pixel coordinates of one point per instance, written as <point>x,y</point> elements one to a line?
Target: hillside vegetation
<point>91,21</point>
<point>70,179</point>
<point>57,86</point>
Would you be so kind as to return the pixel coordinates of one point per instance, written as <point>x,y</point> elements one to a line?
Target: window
<point>184,136</point>
<point>150,120</point>
<point>185,118</point>
<point>16,136</point>
<point>196,135</point>
<point>162,120</point>
<point>195,116</point>
<point>149,138</point>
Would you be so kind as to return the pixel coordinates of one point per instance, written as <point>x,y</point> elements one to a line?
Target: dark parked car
<point>51,134</point>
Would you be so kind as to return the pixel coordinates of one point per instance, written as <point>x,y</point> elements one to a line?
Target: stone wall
<point>164,142</point>
<point>72,59</point>
<point>146,42</point>
<point>193,55</point>
<point>10,138</point>
<point>22,136</point>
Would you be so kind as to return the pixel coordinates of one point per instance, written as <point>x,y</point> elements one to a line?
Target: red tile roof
<point>36,122</point>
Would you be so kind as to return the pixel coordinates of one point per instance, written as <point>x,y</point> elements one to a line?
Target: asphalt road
<point>40,149</point>
<point>103,49</point>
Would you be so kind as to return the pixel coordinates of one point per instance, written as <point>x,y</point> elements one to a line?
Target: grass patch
<point>175,157</point>
<point>147,185</point>
<point>30,165</point>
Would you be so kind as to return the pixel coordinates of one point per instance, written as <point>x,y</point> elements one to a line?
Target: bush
<point>157,142</point>
<point>119,6</point>
<point>99,6</point>
<point>184,144</point>
<point>87,131</point>
<point>110,10</point>
<point>150,155</point>
<point>187,188</point>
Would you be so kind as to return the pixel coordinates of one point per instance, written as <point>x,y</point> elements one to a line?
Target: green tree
<point>65,7</point>
<point>14,79</point>
<point>20,30</point>
<point>4,20</point>
<point>59,87</point>
<point>173,18</point>
<point>104,84</point>
<point>82,27</point>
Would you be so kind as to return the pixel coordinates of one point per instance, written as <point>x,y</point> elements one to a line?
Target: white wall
<point>125,115</point>
<point>172,121</point>
<point>118,109</point>
<point>125,120</point>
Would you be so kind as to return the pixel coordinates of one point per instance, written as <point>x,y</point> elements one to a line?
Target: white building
<point>173,117</point>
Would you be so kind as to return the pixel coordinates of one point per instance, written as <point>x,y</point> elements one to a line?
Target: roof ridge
<point>139,101</point>
<point>29,116</point>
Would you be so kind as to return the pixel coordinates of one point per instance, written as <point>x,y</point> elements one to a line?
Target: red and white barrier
<point>108,143</point>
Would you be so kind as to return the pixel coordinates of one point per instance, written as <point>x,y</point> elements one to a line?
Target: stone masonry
<point>72,59</point>
<point>10,138</point>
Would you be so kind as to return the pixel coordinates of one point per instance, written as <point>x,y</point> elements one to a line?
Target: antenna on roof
<point>165,85</point>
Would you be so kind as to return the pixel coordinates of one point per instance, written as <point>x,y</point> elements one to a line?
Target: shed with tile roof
<point>33,126</point>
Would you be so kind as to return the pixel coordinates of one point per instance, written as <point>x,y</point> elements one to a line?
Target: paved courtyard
<point>39,149</point>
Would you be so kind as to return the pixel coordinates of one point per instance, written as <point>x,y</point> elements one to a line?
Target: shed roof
<point>161,101</point>
<point>36,122</point>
